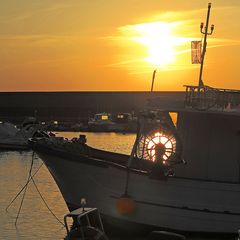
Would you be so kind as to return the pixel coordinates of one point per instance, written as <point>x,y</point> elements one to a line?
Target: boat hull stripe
<point>183,207</point>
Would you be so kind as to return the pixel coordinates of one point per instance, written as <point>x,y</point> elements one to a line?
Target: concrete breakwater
<point>77,107</point>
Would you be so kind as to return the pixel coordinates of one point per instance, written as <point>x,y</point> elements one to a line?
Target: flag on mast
<point>196,47</point>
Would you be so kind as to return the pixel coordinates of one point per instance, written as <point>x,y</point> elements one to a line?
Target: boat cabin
<point>102,117</point>
<point>122,117</point>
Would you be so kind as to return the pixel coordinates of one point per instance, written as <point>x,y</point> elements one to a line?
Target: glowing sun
<point>157,38</point>
<point>159,41</point>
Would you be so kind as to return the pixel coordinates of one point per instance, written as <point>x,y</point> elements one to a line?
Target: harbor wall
<point>76,106</point>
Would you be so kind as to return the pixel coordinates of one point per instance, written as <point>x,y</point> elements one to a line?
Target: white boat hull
<point>179,204</point>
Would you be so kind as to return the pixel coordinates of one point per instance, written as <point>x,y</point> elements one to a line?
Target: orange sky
<point>113,45</point>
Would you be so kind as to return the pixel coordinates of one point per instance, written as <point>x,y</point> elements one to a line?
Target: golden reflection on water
<point>35,221</point>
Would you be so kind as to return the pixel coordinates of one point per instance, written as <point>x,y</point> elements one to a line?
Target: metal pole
<point>153,78</point>
<point>200,83</point>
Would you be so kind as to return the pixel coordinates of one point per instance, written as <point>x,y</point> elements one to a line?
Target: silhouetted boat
<point>152,188</point>
<point>101,122</point>
<point>200,196</point>
<point>13,138</point>
<point>107,122</point>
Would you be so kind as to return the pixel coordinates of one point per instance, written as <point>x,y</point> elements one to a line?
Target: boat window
<point>104,117</point>
<point>120,116</point>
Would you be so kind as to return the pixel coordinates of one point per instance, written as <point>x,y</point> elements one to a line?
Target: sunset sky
<point>114,45</point>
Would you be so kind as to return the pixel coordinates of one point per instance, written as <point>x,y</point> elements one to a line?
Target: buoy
<point>125,205</point>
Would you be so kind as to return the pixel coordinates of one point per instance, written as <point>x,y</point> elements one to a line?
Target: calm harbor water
<point>35,220</point>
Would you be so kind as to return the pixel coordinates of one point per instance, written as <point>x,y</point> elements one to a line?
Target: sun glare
<point>158,39</point>
<point>159,138</point>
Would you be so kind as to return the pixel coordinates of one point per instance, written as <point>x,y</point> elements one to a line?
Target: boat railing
<point>205,97</point>
<point>88,224</point>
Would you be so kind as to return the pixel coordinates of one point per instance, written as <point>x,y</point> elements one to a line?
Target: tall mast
<point>153,78</point>
<point>206,33</point>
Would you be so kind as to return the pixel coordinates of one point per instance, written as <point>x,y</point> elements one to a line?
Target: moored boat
<point>200,196</point>
<point>108,122</point>
<point>101,122</point>
<point>13,138</point>
<point>183,176</point>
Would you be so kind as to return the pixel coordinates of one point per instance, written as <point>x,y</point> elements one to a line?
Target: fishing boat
<point>101,122</point>
<point>14,138</point>
<point>182,175</point>
<point>185,178</point>
<point>125,122</point>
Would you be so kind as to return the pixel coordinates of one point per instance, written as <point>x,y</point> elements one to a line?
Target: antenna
<point>206,33</point>
<point>153,78</point>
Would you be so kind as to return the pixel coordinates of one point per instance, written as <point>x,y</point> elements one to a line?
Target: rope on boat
<point>132,155</point>
<point>24,188</point>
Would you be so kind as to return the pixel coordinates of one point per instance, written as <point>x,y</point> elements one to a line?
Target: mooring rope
<point>18,194</point>
<point>24,188</point>
<point>46,203</point>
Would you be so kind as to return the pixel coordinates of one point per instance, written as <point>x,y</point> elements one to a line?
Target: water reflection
<point>35,221</point>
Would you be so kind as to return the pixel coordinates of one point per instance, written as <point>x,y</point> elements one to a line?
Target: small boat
<point>125,122</point>
<point>101,122</point>
<point>13,138</point>
<point>107,122</point>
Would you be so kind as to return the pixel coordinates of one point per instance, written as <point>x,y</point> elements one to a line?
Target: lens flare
<point>159,138</point>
